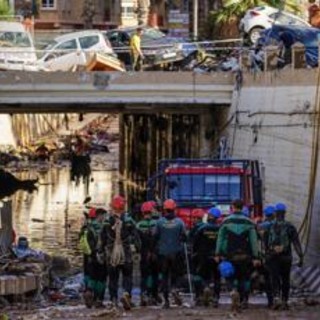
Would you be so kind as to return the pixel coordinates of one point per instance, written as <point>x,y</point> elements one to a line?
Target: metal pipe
<point>195,19</point>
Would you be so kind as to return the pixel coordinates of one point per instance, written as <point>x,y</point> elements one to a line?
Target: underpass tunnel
<point>147,138</point>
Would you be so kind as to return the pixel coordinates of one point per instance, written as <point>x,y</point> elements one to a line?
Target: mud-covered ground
<point>255,312</point>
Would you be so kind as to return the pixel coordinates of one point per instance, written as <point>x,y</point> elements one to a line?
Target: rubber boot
<point>143,300</point>
<point>177,298</point>
<point>235,301</point>
<point>88,298</point>
<point>126,301</point>
<point>206,296</point>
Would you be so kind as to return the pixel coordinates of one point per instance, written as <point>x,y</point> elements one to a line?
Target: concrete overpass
<point>40,92</point>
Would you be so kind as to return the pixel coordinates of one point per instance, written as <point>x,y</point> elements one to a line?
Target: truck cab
<point>199,184</point>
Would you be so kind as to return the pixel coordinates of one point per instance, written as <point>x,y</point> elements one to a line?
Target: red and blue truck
<point>198,184</point>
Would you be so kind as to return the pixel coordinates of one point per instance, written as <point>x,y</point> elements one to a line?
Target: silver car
<point>72,49</point>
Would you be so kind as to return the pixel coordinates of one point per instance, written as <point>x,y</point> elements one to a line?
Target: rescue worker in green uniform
<point>148,263</point>
<point>118,236</point>
<point>263,228</point>
<point>238,243</point>
<point>204,247</point>
<point>95,272</point>
<point>279,240</point>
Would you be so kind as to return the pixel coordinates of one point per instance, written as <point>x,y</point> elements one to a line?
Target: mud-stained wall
<point>273,122</point>
<point>29,127</point>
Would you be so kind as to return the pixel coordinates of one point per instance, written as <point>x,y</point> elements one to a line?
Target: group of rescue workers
<point>227,247</point>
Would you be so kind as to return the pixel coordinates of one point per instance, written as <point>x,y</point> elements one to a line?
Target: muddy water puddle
<point>52,217</point>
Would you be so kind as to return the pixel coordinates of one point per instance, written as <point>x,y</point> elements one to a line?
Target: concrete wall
<point>273,123</point>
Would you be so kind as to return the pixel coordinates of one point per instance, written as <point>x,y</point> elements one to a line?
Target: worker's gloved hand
<point>300,263</point>
<point>256,263</point>
<point>217,259</point>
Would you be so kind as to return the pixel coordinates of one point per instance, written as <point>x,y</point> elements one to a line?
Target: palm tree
<point>4,8</point>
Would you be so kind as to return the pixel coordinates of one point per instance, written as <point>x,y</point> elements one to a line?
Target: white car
<point>260,18</point>
<point>69,50</point>
<point>17,51</point>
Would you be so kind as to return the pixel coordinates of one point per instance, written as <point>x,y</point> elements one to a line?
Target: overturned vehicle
<point>308,37</point>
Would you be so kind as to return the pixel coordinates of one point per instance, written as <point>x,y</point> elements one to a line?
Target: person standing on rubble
<point>135,50</point>
<point>95,273</point>
<point>118,236</point>
<point>238,243</point>
<point>148,263</point>
<point>279,240</point>
<point>170,239</point>
<point>204,247</point>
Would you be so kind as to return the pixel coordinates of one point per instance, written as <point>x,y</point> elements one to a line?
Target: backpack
<point>238,244</point>
<point>278,239</point>
<point>84,245</point>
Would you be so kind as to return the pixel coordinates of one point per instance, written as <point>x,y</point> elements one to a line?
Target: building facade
<point>72,13</point>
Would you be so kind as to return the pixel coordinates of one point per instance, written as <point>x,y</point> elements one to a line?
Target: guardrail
<point>242,54</point>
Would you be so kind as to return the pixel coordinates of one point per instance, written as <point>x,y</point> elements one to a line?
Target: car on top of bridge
<point>17,51</point>
<point>264,17</point>
<point>157,47</point>
<point>73,49</point>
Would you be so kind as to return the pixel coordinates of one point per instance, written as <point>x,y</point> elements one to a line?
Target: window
<point>14,39</point>
<point>67,45</point>
<point>200,187</point>
<point>88,42</point>
<point>127,12</point>
<point>63,48</point>
<point>48,4</point>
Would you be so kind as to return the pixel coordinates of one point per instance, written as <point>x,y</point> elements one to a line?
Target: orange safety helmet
<point>118,202</point>
<point>92,213</point>
<point>147,207</point>
<point>153,204</point>
<point>169,204</point>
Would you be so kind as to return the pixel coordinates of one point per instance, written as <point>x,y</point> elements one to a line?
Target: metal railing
<point>12,56</point>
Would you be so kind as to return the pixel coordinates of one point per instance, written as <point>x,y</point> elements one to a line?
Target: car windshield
<point>15,39</point>
<point>200,187</point>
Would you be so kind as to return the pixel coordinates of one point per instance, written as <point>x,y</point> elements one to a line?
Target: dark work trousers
<point>171,268</point>
<point>96,277</point>
<point>242,276</point>
<point>114,273</point>
<point>208,270</point>
<point>149,270</point>
<point>280,267</point>
<point>265,270</point>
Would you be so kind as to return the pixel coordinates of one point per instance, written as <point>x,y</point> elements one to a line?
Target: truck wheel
<point>254,34</point>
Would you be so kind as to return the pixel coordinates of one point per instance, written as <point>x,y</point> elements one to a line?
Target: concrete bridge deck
<point>22,92</point>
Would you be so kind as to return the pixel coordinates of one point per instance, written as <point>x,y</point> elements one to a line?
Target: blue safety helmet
<point>269,211</point>
<point>226,269</point>
<point>280,207</point>
<point>214,212</point>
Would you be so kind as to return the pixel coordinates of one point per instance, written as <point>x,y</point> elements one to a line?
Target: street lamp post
<point>195,19</point>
